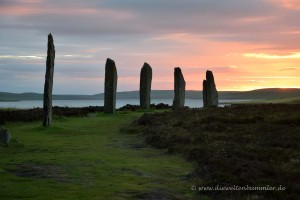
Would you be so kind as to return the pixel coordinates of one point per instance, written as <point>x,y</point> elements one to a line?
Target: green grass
<point>94,157</point>
<point>9,108</point>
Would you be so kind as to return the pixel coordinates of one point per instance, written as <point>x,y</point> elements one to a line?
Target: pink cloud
<point>34,8</point>
<point>18,10</point>
<point>293,4</point>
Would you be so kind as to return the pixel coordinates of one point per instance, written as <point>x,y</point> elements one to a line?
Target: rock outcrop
<point>210,94</point>
<point>179,89</point>
<point>145,86</point>
<point>48,87</point>
<point>110,86</point>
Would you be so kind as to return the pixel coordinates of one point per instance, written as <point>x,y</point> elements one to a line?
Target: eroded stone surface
<point>145,86</point>
<point>110,86</point>
<point>210,93</point>
<point>179,89</point>
<point>48,87</point>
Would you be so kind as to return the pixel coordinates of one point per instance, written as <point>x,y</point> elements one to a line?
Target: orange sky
<point>247,44</point>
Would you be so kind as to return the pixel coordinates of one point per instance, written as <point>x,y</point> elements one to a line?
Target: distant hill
<point>271,93</point>
<point>5,96</point>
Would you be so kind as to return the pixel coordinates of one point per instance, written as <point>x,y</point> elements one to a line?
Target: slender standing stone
<point>48,87</point>
<point>145,86</point>
<point>210,94</point>
<point>179,89</point>
<point>110,86</point>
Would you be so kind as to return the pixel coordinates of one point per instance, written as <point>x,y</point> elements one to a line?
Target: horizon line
<point>285,88</point>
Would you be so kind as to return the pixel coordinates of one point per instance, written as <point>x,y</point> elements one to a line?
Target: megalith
<point>210,93</point>
<point>145,86</point>
<point>110,86</point>
<point>48,87</point>
<point>179,89</point>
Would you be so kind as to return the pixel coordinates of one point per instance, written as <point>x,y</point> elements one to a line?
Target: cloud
<point>21,57</point>
<point>138,17</point>
<point>255,21</point>
<point>288,69</point>
<point>290,4</point>
<point>193,34</point>
<point>215,69</point>
<point>230,21</point>
<point>268,56</point>
<point>274,77</point>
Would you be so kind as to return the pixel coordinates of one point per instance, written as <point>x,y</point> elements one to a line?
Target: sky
<point>248,44</point>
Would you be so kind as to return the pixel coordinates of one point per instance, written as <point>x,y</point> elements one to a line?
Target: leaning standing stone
<point>47,107</point>
<point>145,86</point>
<point>179,89</point>
<point>110,86</point>
<point>210,93</point>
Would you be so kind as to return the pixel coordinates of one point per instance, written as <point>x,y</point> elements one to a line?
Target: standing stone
<point>110,86</point>
<point>47,107</point>
<point>210,94</point>
<point>145,86</point>
<point>179,89</point>
<point>4,136</point>
<point>204,91</point>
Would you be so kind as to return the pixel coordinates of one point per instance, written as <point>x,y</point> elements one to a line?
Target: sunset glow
<point>247,44</point>
<point>263,55</point>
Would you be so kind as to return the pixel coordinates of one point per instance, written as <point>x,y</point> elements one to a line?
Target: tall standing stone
<point>179,89</point>
<point>110,86</point>
<point>210,94</point>
<point>48,87</point>
<point>145,86</point>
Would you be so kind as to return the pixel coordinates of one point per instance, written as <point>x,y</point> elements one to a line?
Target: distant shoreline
<point>4,100</point>
<point>273,93</point>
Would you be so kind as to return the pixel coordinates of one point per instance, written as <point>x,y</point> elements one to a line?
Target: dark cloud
<point>144,17</point>
<point>243,20</point>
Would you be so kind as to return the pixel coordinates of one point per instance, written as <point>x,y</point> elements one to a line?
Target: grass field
<point>103,156</point>
<point>94,157</point>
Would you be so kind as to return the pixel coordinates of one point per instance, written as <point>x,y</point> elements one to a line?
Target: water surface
<point>192,103</point>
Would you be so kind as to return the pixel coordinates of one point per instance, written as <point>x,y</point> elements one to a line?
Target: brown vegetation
<point>254,145</point>
<point>34,114</point>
